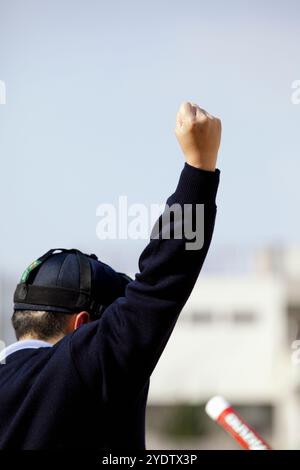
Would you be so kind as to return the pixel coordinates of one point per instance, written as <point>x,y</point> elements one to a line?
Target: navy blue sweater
<point>89,390</point>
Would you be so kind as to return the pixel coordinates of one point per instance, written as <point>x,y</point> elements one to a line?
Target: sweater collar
<point>25,344</point>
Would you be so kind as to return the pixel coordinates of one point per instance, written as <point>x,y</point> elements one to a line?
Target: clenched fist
<point>199,135</point>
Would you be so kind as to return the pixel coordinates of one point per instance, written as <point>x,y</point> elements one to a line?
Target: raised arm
<point>134,330</point>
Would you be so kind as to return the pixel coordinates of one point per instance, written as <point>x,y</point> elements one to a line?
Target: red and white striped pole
<point>222,412</point>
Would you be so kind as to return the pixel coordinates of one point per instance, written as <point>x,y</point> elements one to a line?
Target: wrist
<point>203,163</point>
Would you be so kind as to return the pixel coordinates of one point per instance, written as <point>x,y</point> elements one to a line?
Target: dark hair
<point>40,324</point>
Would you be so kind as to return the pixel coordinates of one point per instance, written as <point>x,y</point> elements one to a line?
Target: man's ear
<point>81,319</point>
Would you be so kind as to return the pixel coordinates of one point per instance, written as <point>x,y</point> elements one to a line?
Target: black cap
<point>69,281</point>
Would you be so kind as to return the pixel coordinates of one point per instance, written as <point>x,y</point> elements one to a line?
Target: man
<point>89,338</point>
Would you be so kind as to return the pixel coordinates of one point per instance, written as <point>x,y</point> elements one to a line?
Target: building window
<point>244,317</point>
<point>201,317</point>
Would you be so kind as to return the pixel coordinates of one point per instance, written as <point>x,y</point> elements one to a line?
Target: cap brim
<point>43,308</point>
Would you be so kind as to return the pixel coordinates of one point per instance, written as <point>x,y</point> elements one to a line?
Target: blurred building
<point>236,338</point>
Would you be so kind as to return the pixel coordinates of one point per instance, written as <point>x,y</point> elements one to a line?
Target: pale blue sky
<point>92,92</point>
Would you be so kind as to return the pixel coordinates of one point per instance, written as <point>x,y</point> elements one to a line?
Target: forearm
<point>170,267</point>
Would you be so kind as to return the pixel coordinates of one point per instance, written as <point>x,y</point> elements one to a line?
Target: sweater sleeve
<point>133,331</point>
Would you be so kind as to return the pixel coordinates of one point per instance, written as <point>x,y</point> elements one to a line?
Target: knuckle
<point>183,105</point>
<point>203,119</point>
<point>218,123</point>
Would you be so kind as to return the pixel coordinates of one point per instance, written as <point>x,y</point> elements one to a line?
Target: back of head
<point>59,284</point>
